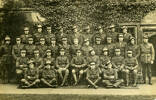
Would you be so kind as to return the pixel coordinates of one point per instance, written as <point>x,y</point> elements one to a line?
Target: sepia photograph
<point>77,49</point>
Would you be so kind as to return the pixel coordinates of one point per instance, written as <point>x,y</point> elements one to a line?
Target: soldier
<point>31,76</point>
<point>133,47</point>
<point>53,47</point>
<point>49,57</point>
<point>16,49</point>
<point>93,75</point>
<point>126,35</point>
<point>110,78</point>
<point>121,45</point>
<point>30,47</point>
<point>49,75</point>
<point>110,46</point>
<point>147,57</point>
<point>65,46</point>
<point>113,34</point>
<point>86,48</point>
<point>78,64</point>
<point>49,35</point>
<point>118,63</point>
<point>98,46</point>
<point>42,47</point>
<point>100,34</point>
<point>87,34</point>
<point>131,65</point>
<point>62,63</point>
<point>38,34</point>
<point>6,60</point>
<point>75,47</point>
<point>93,58</point>
<point>24,37</point>
<point>38,61</point>
<point>21,65</point>
<point>77,35</point>
<point>104,58</point>
<point>60,35</point>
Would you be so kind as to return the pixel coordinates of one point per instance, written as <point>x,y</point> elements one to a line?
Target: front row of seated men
<point>110,72</point>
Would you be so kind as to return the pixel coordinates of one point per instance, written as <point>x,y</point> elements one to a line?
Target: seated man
<point>131,65</point>
<point>110,78</point>
<point>78,63</point>
<point>49,75</point>
<point>30,77</point>
<point>62,63</point>
<point>93,75</point>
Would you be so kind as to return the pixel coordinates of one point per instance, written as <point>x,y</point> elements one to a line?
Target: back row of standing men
<point>98,49</point>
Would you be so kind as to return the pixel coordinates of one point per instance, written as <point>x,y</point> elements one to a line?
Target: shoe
<point>150,83</point>
<point>96,87</point>
<point>134,85</point>
<point>89,86</point>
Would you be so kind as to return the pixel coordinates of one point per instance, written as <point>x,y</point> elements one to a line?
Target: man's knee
<point>37,81</point>
<point>18,72</point>
<point>73,71</point>
<point>67,71</point>
<point>81,72</point>
<point>23,80</point>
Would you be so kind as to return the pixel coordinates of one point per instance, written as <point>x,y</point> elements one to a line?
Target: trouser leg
<point>144,68</point>
<point>65,77</point>
<point>149,73</point>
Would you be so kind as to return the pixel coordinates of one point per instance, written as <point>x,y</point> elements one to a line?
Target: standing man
<point>49,35</point>
<point>38,34</point>
<point>24,37</point>
<point>6,60</point>
<point>88,34</point>
<point>147,57</point>
<point>127,35</point>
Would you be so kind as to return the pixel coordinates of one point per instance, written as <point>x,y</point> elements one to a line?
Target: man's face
<point>132,41</point>
<point>105,53</point>
<point>92,52</point>
<point>145,40</point>
<point>109,40</point>
<point>48,66</point>
<point>113,29</point>
<point>42,42</point>
<point>117,53</point>
<point>75,30</point>
<point>31,65</point>
<point>120,39</point>
<point>101,30</point>
<point>30,41</point>
<point>62,53</point>
<point>78,53</point>
<point>36,54</point>
<point>7,41</point>
<point>87,43</point>
<point>98,41</point>
<point>26,31</point>
<point>130,55</point>
<point>124,30</point>
<point>64,41</point>
<point>109,66</point>
<point>39,29</point>
<point>23,54</point>
<point>49,30</point>
<point>53,42</point>
<point>76,41</point>
<point>48,53</point>
<point>18,41</point>
<point>92,66</point>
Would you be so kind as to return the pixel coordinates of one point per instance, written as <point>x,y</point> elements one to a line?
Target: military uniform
<point>24,37</point>
<point>62,63</point>
<point>98,46</point>
<point>85,49</point>
<point>110,77</point>
<point>100,34</point>
<point>54,48</point>
<point>127,35</point>
<point>147,56</point>
<point>60,35</point>
<point>78,64</point>
<point>16,49</point>
<point>49,35</point>
<point>113,34</point>
<point>118,64</point>
<point>73,49</point>
<point>49,75</point>
<point>93,58</point>
<point>122,46</point>
<point>38,35</point>
<point>6,60</point>
<point>31,77</point>
<point>110,46</point>
<point>93,75</point>
<point>88,35</point>
<point>49,58</point>
<point>42,47</point>
<point>21,65</point>
<point>30,48</point>
<point>131,65</point>
<point>38,61</point>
